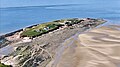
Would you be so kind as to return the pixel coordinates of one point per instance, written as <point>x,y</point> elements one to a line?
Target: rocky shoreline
<point>16,35</point>
<point>12,33</point>
<point>42,49</point>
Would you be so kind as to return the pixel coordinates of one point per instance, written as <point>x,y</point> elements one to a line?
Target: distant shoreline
<point>41,6</point>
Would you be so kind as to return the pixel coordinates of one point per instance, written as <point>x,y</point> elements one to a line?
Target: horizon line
<point>53,5</point>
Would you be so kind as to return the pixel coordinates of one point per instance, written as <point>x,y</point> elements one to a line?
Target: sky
<point>19,3</point>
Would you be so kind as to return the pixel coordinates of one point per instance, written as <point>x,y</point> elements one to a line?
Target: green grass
<point>49,26</point>
<point>40,29</point>
<point>32,32</point>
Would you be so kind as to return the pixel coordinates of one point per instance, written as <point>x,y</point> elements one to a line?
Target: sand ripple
<point>98,47</point>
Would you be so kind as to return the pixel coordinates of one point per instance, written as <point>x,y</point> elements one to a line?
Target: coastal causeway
<point>37,45</point>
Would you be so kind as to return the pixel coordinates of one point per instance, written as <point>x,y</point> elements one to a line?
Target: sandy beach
<point>98,47</point>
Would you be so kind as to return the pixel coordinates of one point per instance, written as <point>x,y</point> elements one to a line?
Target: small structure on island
<point>46,28</point>
<point>38,30</point>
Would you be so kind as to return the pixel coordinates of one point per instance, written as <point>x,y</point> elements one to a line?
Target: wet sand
<point>6,50</point>
<point>99,47</point>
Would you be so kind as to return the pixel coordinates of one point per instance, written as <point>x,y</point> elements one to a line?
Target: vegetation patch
<point>40,29</point>
<point>3,65</point>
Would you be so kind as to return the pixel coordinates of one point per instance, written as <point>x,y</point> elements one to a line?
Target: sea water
<point>14,18</point>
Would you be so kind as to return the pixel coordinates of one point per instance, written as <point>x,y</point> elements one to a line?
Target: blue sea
<point>14,18</point>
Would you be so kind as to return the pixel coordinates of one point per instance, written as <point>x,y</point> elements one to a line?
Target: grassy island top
<point>50,26</point>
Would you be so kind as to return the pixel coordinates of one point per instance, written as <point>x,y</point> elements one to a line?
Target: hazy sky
<point>18,3</point>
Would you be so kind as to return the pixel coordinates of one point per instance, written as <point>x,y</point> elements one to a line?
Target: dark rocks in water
<point>10,34</point>
<point>4,42</point>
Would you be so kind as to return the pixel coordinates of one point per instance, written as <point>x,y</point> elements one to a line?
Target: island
<point>37,45</point>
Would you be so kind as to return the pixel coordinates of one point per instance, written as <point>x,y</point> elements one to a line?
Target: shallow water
<point>15,18</point>
<point>6,50</point>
